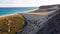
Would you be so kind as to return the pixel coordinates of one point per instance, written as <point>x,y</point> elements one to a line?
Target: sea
<point>11,10</point>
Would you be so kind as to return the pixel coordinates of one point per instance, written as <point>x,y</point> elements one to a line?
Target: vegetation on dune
<point>11,24</point>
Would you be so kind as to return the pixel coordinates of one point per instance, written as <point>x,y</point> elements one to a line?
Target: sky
<point>27,3</point>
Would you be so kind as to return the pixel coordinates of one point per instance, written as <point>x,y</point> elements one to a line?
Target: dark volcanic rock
<point>48,6</point>
<point>52,26</point>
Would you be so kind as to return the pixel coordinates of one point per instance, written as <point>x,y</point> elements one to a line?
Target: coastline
<point>7,15</point>
<point>17,13</point>
<point>29,10</point>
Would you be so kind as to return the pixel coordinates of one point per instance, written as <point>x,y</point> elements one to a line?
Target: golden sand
<point>39,11</point>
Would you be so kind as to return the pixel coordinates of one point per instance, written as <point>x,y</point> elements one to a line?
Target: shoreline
<point>29,10</point>
<point>17,13</point>
<point>7,15</point>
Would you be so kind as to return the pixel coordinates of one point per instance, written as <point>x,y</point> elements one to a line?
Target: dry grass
<point>11,24</point>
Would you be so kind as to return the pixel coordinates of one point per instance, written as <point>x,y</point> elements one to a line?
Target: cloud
<point>26,3</point>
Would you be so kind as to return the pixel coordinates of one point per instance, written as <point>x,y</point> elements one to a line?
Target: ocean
<point>11,10</point>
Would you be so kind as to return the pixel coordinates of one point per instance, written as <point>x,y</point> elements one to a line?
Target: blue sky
<point>27,3</point>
